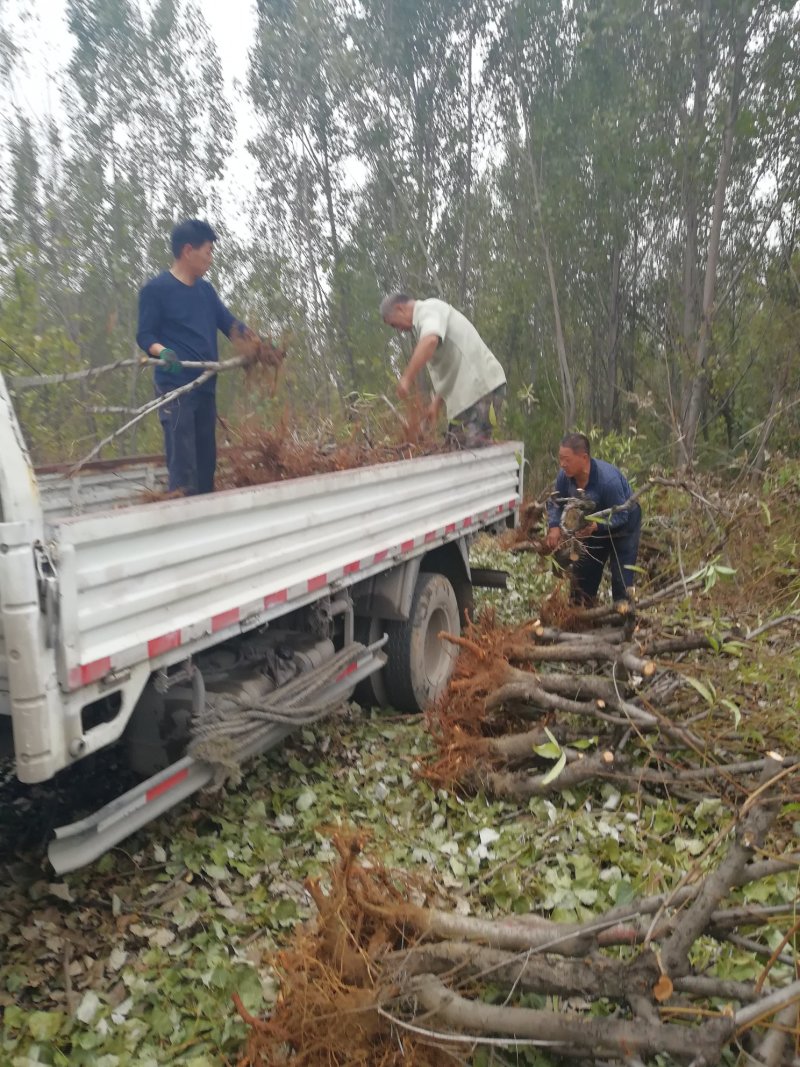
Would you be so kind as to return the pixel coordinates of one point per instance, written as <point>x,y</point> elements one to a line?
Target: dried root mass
<point>383,980</point>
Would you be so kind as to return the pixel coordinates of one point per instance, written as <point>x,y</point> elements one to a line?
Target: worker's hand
<point>553,539</point>
<point>169,358</point>
<point>586,531</point>
<point>432,413</point>
<point>404,388</point>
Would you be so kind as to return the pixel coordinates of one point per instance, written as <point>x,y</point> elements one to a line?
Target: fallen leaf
<point>62,891</point>
<point>222,897</point>
<point>88,1007</point>
<point>142,931</point>
<point>44,1025</point>
<point>116,959</point>
<point>662,990</point>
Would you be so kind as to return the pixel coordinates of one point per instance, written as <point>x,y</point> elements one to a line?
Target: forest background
<point>609,189</point>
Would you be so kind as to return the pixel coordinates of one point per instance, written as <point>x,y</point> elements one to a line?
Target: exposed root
<point>332,985</point>
<point>595,681</point>
<point>458,722</point>
<point>383,980</point>
<point>258,455</point>
<point>263,360</point>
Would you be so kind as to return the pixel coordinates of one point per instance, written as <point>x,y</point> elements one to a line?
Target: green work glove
<point>170,360</point>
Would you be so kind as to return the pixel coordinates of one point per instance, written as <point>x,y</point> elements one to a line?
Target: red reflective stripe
<point>430,536</point>
<point>450,528</point>
<point>500,507</point>
<point>467,521</point>
<point>92,672</point>
<point>381,556</point>
<point>406,546</point>
<point>275,598</point>
<point>225,618</point>
<point>166,785</point>
<point>346,671</point>
<point>512,503</point>
<point>319,582</point>
<point>352,568</point>
<point>164,643</point>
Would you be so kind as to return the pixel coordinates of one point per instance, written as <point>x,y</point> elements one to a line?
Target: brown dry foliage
<point>256,351</point>
<point>528,531</point>
<point>261,455</point>
<point>556,610</point>
<point>327,1012</point>
<point>153,496</point>
<point>458,722</point>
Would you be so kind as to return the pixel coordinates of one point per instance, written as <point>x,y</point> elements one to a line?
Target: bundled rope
<point>229,727</point>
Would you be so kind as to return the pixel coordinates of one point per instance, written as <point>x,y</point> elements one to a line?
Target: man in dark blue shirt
<point>179,316</point>
<point>601,485</point>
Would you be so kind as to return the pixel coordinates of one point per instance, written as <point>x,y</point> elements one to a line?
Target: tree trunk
<point>610,408</point>
<point>564,372</point>
<point>696,388</point>
<point>341,288</point>
<point>462,286</point>
<point>776,405</point>
<point>694,134</point>
<point>693,140</point>
<point>567,388</point>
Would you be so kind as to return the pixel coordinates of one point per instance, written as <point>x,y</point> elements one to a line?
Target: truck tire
<point>420,664</point>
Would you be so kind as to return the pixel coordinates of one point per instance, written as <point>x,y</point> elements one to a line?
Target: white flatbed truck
<point>118,618</point>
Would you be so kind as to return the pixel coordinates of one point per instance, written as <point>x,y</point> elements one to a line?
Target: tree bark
<point>610,407</point>
<point>564,370</point>
<point>462,286</point>
<point>569,1030</point>
<point>690,420</point>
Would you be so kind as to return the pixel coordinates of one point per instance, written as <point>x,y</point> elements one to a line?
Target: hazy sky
<point>40,28</point>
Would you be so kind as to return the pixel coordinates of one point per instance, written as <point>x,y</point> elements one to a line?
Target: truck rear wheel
<point>420,664</point>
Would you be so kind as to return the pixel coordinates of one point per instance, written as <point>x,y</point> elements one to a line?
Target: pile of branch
<point>604,701</point>
<point>390,974</point>
<point>260,455</point>
<point>383,980</point>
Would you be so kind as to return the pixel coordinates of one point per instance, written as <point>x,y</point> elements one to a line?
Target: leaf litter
<point>564,860</point>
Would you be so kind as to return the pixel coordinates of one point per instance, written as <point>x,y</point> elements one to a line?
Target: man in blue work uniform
<point>599,485</point>
<point>179,316</point>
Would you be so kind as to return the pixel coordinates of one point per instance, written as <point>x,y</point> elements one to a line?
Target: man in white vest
<point>466,377</point>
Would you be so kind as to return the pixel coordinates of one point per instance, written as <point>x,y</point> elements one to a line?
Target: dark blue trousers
<point>189,424</point>
<point>619,550</point>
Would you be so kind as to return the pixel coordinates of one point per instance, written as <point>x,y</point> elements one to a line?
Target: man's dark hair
<point>194,232</point>
<point>578,442</point>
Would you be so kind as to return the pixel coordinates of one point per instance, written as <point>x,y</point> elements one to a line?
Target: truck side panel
<point>144,582</point>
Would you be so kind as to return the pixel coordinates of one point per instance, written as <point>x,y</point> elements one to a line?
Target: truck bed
<point>137,582</point>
